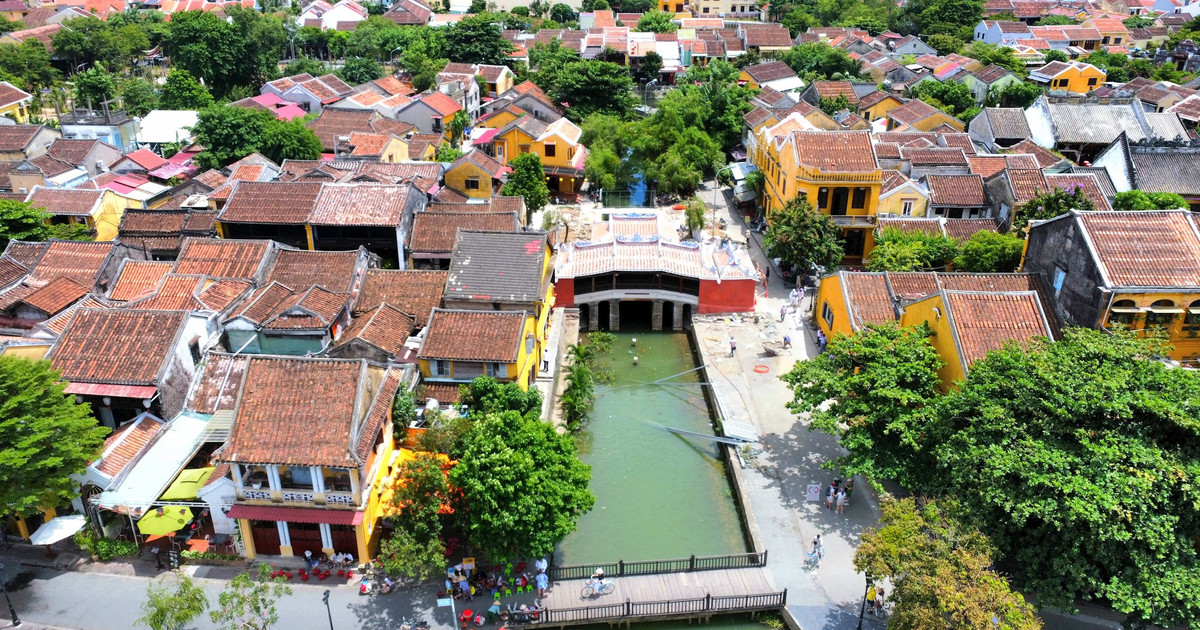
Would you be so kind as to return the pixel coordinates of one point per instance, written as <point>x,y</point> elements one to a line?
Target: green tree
<point>241,51</point>
<point>28,66</point>
<point>1139,200</point>
<point>988,54</point>
<point>477,39</point>
<point>951,97</point>
<point>357,70</point>
<point>1017,94</point>
<point>183,92</point>
<point>94,86</point>
<point>817,61</point>
<point>797,21</point>
<point>548,62</point>
<point>562,13</point>
<point>578,396</point>
<point>45,438</point>
<point>248,601</point>
<point>305,65</point>
<point>911,250</point>
<point>418,495</point>
<point>172,606</point>
<point>86,40</point>
<point>802,237</point>
<point>404,411</point>
<point>656,21</point>
<point>138,97</point>
<point>447,153</point>
<point>528,180</point>
<point>20,221</point>
<point>833,105</point>
<point>946,44</point>
<point>1076,459</point>
<point>1055,20</point>
<point>521,487</point>
<point>229,134</point>
<point>289,140</point>
<point>458,124</point>
<point>594,87</point>
<point>870,390</point>
<point>1136,21</point>
<point>1052,204</point>
<point>403,555</point>
<point>485,396</point>
<point>940,570</point>
<point>1055,55</point>
<point>990,252</point>
<point>650,67</point>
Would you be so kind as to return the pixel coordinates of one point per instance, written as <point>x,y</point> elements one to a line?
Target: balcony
<point>815,176</point>
<point>340,499</point>
<point>854,220</point>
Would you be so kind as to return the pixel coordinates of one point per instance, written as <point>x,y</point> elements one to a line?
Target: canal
<point>658,495</point>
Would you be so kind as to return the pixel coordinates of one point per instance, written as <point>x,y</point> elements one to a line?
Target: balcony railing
<point>854,220</point>
<point>813,175</point>
<point>298,496</point>
<point>340,498</point>
<point>256,495</point>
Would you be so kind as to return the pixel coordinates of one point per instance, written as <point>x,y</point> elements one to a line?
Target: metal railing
<point>651,567</point>
<point>658,609</point>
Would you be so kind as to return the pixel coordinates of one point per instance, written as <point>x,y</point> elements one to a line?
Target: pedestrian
<point>541,565</point>
<point>829,497</point>
<point>543,583</point>
<point>787,342</point>
<point>158,565</point>
<point>782,313</point>
<point>732,346</point>
<point>841,502</point>
<point>879,601</point>
<point>818,547</point>
<point>849,490</point>
<point>871,596</point>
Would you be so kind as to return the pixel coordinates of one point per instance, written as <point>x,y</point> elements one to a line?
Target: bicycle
<point>813,561</point>
<point>597,587</point>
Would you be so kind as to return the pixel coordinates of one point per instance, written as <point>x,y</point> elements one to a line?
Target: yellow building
<point>1112,30</point>
<point>1069,76</point>
<point>476,175</point>
<point>902,197</point>
<point>877,104</point>
<point>836,170</point>
<point>385,147</point>
<point>1130,270</point>
<point>14,102</point>
<point>100,210</point>
<point>966,325</point>
<point>310,454</point>
<point>556,143</point>
<point>462,345</point>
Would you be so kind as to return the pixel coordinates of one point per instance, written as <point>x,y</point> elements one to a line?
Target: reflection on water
<point>658,495</point>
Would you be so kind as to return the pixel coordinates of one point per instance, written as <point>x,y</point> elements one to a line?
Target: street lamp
<point>12,612</point>
<point>325,597</point>
<point>863,608</point>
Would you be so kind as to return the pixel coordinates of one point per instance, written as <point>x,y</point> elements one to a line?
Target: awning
<point>1164,310</point>
<point>1194,311</point>
<point>487,136</point>
<point>57,529</point>
<point>295,515</point>
<point>187,484</point>
<point>1125,309</point>
<point>115,391</point>
<point>145,479</point>
<point>562,171</point>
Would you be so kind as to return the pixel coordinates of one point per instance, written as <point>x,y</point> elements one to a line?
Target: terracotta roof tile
<point>126,443</point>
<point>72,151</point>
<point>14,138</point>
<point>934,156</point>
<point>117,346</point>
<point>218,382</point>
<point>963,229</point>
<point>80,261</point>
<point>868,298</point>
<point>73,202</point>
<point>1044,157</point>
<point>435,232</point>
<point>956,190</point>
<point>834,89</point>
<point>474,335</point>
<point>381,407</point>
<point>301,269</point>
<point>1157,249</point>
<point>26,253</point>
<point>221,258</point>
<point>444,393</point>
<point>298,411</point>
<point>835,151</point>
<point>1086,181</point>
<point>987,165</point>
<point>384,327</point>
<point>769,71</point>
<point>413,292</point>
<point>441,103</point>
<point>988,321</point>
<point>211,178</point>
<point>360,204</point>
<point>56,295</point>
<point>313,309</point>
<point>283,203</point>
<point>264,302</point>
<point>1026,183</point>
<point>220,294</point>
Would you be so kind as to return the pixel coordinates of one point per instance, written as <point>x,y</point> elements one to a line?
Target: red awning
<point>486,137</point>
<point>296,515</point>
<point>114,391</point>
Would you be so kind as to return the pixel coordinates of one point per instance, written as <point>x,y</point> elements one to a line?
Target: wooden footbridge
<point>686,588</point>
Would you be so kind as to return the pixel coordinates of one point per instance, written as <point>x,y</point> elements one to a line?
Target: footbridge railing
<point>646,611</point>
<point>651,567</point>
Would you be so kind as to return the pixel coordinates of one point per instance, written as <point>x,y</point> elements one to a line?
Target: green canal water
<point>658,495</point>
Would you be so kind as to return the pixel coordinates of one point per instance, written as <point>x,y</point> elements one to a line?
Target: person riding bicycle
<point>597,577</point>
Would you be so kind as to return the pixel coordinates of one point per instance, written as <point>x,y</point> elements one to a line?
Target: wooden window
<point>1121,313</point>
<point>859,200</point>
<point>472,183</point>
<point>496,370</point>
<point>822,197</point>
<point>439,368</point>
<point>827,315</point>
<point>524,149</point>
<point>1162,313</point>
<point>906,207</point>
<point>550,150</point>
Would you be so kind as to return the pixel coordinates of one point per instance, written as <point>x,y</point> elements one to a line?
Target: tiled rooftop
<point>117,346</point>
<point>474,335</point>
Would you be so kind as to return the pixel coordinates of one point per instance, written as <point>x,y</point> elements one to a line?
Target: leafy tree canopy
<point>945,44</point>
<point>477,39</point>
<point>816,61</point>
<point>594,87</point>
<point>485,396</point>
<point>940,570</point>
<point>878,383</point>
<point>1055,20</point>
<point>289,140</point>
<point>1139,200</point>
<point>801,237</point>
<point>231,133</point>
<point>172,602</point>
<point>182,91</point>
<point>951,97</point>
<point>655,21</point>
<point>528,180</point>
<point>20,221</point>
<point>1052,204</point>
<point>45,437</point>
<point>94,85</point>
<point>988,54</point>
<point>522,486</point>
<point>990,252</point>
<point>248,601</point>
<point>911,250</point>
<point>1017,94</point>
<point>138,97</point>
<point>562,13</point>
<point>357,70</point>
<point>243,51</point>
<point>1055,55</point>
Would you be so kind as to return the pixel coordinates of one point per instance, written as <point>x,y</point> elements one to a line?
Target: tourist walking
<point>732,346</point>
<point>849,490</point>
<point>543,583</point>
<point>782,313</point>
<point>841,502</point>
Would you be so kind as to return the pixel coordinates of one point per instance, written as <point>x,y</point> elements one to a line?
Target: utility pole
<point>12,612</point>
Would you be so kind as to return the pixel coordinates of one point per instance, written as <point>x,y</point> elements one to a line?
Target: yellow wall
<point>23,529</point>
<point>457,179</point>
<point>745,76</point>
<point>108,218</point>
<point>1077,80</point>
<point>17,111</point>
<point>1183,336</point>
<point>504,84</point>
<point>829,294</point>
<point>923,312</point>
<point>509,146</point>
<point>396,150</point>
<point>894,203</point>
<point>938,119</point>
<point>32,352</point>
<point>880,109</point>
<point>499,119</point>
<point>367,533</point>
